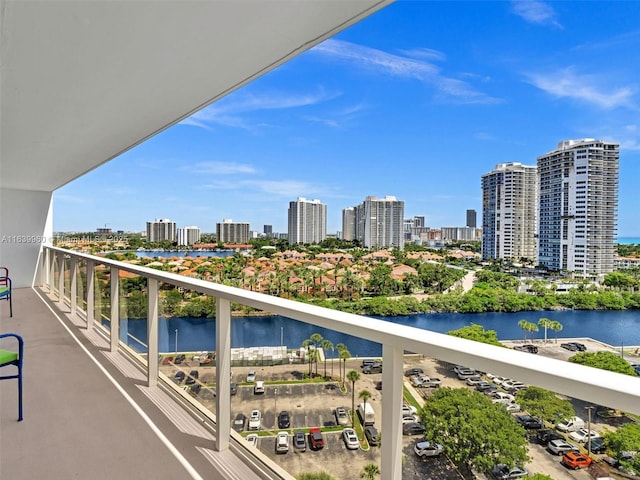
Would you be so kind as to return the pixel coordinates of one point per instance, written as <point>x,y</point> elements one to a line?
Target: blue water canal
<point>618,328</point>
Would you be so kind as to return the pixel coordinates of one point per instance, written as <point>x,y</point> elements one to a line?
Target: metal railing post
<point>91,305</point>
<point>61,280</point>
<point>115,310</point>
<point>73,294</point>
<point>223,373</point>
<point>152,333</point>
<point>51,282</point>
<point>392,388</point>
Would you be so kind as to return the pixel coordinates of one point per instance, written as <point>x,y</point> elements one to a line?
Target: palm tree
<point>307,344</point>
<point>344,354</point>
<point>370,471</point>
<point>365,395</point>
<point>556,326</point>
<point>353,377</point>
<point>316,338</point>
<point>546,323</point>
<point>326,346</point>
<point>523,325</point>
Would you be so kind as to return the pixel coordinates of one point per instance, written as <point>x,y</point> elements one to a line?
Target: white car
<point>582,435</point>
<point>251,376</point>
<point>512,407</point>
<point>252,439</point>
<point>560,447</point>
<point>409,409</point>
<point>410,419</point>
<point>499,380</point>
<point>282,442</point>
<point>254,420</point>
<point>350,439</point>
<point>473,381</point>
<point>501,397</point>
<point>427,449</point>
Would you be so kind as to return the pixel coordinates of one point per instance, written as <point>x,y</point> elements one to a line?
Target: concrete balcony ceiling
<point>82,82</point>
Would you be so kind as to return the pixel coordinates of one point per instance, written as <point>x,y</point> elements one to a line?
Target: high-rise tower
<point>380,222</point>
<point>509,216</point>
<point>579,206</point>
<point>307,221</point>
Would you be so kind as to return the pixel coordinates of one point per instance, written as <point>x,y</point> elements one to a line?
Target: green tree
<point>316,338</point>
<point>473,430</point>
<point>544,404</point>
<point>365,395</point>
<point>370,471</point>
<point>326,346</point>
<point>314,476</point>
<point>625,439</point>
<point>528,326</point>
<point>546,324</point>
<point>604,360</point>
<point>478,333</point>
<point>353,377</point>
<point>556,326</point>
<point>343,354</point>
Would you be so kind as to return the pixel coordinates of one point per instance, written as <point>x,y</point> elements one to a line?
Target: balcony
<point>90,400</point>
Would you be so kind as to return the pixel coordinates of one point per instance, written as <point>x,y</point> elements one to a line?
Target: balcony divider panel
<point>153,368</point>
<point>91,302</point>
<point>392,396</point>
<point>115,309</point>
<point>223,373</point>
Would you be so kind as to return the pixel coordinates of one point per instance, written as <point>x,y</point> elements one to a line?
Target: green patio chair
<point>5,288</point>
<point>9,358</point>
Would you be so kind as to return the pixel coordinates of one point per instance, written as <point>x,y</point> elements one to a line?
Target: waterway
<point>617,328</point>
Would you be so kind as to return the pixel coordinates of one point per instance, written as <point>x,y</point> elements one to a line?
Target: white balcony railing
<point>593,385</point>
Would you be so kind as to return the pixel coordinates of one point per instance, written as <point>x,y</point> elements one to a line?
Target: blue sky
<point>417,101</point>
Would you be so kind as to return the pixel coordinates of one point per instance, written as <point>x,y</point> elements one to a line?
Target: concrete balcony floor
<point>78,423</point>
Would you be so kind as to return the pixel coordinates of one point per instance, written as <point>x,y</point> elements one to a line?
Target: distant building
<point>579,206</point>
<point>471,218</point>
<point>161,230</point>
<point>188,235</point>
<point>458,233</point>
<point>380,222</point>
<point>509,213</point>
<point>268,230</point>
<point>307,221</point>
<point>232,232</point>
<point>349,224</point>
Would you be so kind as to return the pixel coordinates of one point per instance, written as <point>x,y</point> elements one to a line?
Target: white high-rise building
<point>579,206</point>
<point>188,235</point>
<point>509,212</point>
<point>380,222</point>
<point>160,230</point>
<point>232,232</point>
<point>307,221</point>
<point>349,224</point>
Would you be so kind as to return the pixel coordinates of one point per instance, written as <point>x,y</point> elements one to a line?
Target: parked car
<point>413,371</point>
<point>233,388</point>
<point>486,387</point>
<point>195,389</point>
<point>179,376</point>
<point>582,434</point>
<point>254,420</point>
<point>409,409</point>
<point>252,438</point>
<point>576,460</point>
<point>342,417</point>
<point>299,442</point>
<point>409,419</point>
<point>371,434</point>
<point>465,373</point>
<point>379,385</point>
<point>543,437</point>
<point>526,348</point>
<point>560,446</point>
<point>206,360</point>
<point>597,445</point>
<point>284,421</point>
<point>427,449</point>
<point>512,407</point>
<point>282,442</point>
<point>239,422</point>
<point>251,376</point>
<point>529,422</point>
<point>499,380</point>
<point>350,439</point>
<point>570,424</point>
<point>316,440</point>
<point>258,388</point>
<point>574,346</point>
<point>505,472</point>
<point>369,361</point>
<point>180,358</point>
<point>167,360</point>
<point>501,397</point>
<point>512,386</point>
<point>377,368</point>
<point>193,376</point>
<point>413,428</point>
<point>474,380</point>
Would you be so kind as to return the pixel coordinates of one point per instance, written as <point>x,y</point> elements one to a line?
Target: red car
<point>576,460</point>
<point>316,441</point>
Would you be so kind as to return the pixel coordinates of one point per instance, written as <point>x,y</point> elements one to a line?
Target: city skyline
<point>418,101</point>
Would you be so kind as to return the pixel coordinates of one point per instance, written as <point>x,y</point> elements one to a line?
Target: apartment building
<point>472,218</point>
<point>232,232</point>
<point>509,214</point>
<point>307,221</point>
<point>348,224</point>
<point>579,206</point>
<point>161,230</point>
<point>188,235</point>
<point>380,222</point>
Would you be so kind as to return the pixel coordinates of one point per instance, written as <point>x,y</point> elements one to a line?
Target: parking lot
<point>313,405</point>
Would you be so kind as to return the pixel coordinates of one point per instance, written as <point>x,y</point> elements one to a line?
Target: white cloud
<point>566,83</point>
<point>220,168</point>
<point>405,67</point>
<point>227,112</point>
<point>535,11</point>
